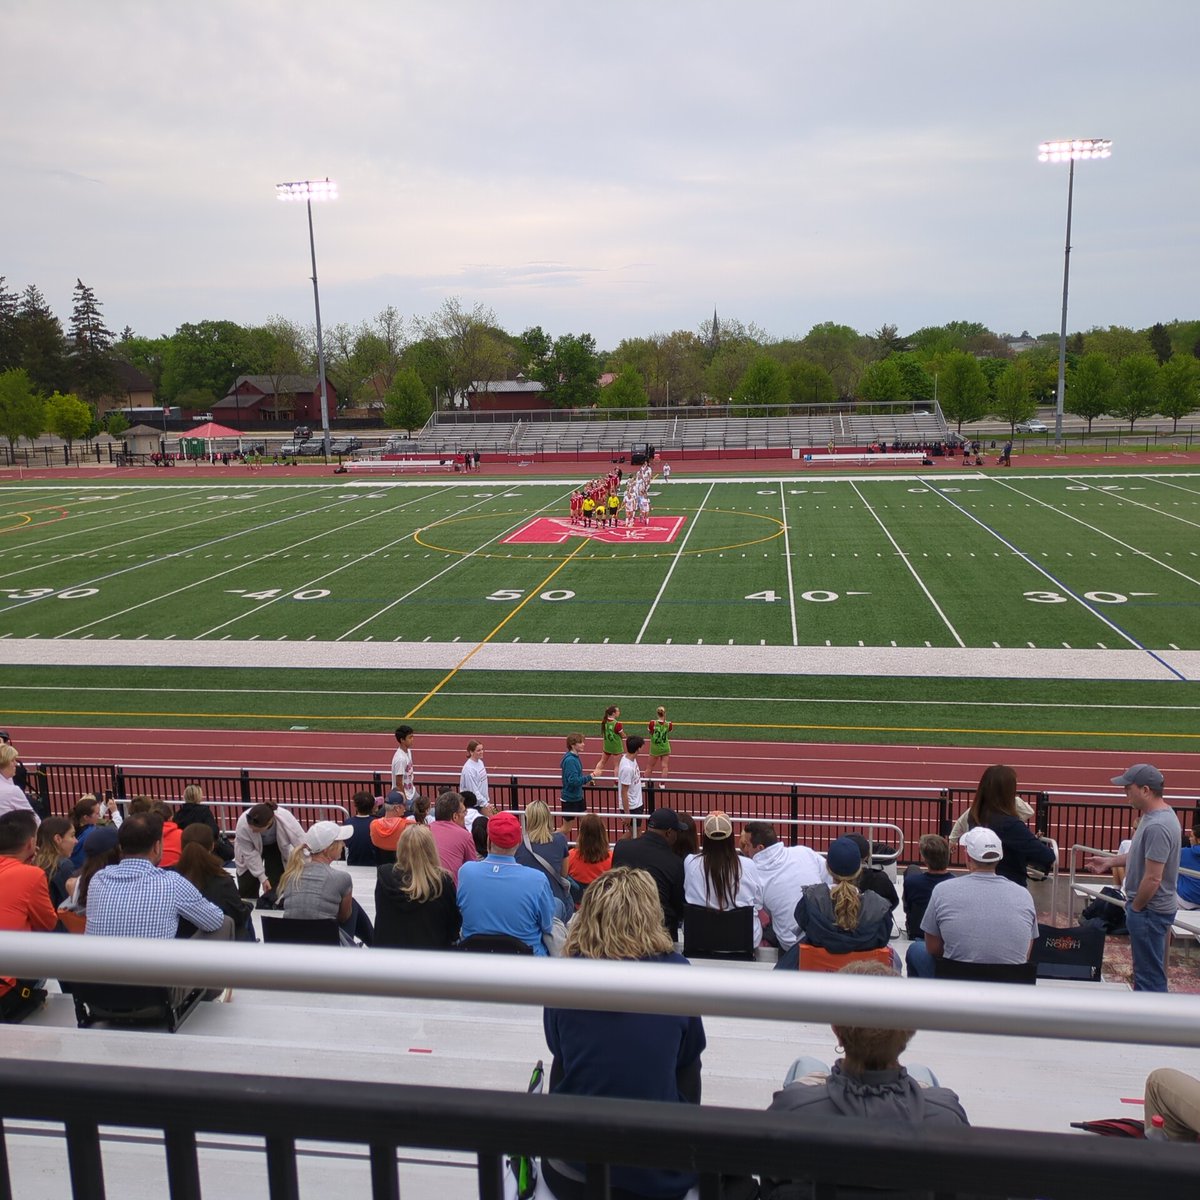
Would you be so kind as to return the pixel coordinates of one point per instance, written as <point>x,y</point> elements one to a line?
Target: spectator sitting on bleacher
<point>262,842</point>
<point>474,808</point>
<point>719,877</point>
<point>24,907</point>
<point>136,898</point>
<point>200,866</point>
<point>979,917</point>
<point>874,879</point>
<point>360,851</point>
<point>102,850</point>
<point>55,841</point>
<point>416,902</point>
<point>544,848</point>
<point>626,1056</point>
<point>454,844</point>
<point>1175,1097</point>
<point>785,872</point>
<point>498,895</point>
<point>312,890</point>
<point>840,919</point>
<point>867,1083</point>
<point>192,810</point>
<point>995,807</point>
<point>919,882</point>
<point>479,828</point>
<point>12,799</point>
<point>387,829</point>
<point>654,853</point>
<point>1187,888</point>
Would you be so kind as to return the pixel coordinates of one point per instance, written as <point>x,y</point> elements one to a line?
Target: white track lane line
<point>674,563</point>
<point>911,569</point>
<point>787,557</point>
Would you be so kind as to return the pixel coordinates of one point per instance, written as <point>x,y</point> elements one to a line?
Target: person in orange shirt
<point>24,907</point>
<point>590,857</point>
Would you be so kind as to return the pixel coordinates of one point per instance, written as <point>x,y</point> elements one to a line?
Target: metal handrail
<point>794,996</point>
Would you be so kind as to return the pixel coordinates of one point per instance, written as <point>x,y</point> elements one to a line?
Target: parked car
<point>346,445</point>
<point>301,432</point>
<point>398,445</point>
<point>289,449</point>
<point>1032,426</point>
<point>312,446</point>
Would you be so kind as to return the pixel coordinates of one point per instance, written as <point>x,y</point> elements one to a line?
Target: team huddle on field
<point>599,503</point>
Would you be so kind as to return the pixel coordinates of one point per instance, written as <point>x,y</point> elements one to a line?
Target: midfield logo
<point>554,531</point>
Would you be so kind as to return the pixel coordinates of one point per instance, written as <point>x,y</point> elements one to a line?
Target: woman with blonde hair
<point>660,743</point>
<point>311,889</point>
<point>416,904</point>
<point>547,850</point>
<point>840,918</point>
<point>630,1056</point>
<point>719,877</point>
<point>995,807</point>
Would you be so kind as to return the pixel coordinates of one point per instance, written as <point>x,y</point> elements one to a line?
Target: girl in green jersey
<point>660,743</point>
<point>611,730</point>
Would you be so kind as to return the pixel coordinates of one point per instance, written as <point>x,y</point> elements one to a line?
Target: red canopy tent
<point>211,430</point>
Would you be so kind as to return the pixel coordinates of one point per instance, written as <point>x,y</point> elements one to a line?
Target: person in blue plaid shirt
<point>135,898</point>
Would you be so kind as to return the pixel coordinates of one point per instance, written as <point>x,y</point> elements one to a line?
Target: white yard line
<point>1058,583</point>
<point>911,569</point>
<point>1166,482</point>
<point>1104,533</point>
<point>787,558</point>
<point>1075,479</point>
<point>524,520</point>
<point>358,560</point>
<point>674,564</point>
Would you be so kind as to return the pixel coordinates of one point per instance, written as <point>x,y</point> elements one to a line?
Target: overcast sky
<point>618,168</point>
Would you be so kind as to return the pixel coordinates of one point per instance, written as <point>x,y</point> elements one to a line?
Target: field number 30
<point>1059,598</point>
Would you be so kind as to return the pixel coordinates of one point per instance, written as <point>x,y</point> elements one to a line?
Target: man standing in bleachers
<point>1151,869</point>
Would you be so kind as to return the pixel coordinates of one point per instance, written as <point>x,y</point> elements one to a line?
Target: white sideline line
<point>787,558</point>
<point>1103,533</point>
<point>524,520</point>
<point>674,563</point>
<point>912,570</point>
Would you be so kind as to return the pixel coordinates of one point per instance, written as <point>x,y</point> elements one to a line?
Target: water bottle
<point>1155,1131</point>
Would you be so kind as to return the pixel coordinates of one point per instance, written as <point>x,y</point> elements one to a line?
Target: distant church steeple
<point>714,338</point>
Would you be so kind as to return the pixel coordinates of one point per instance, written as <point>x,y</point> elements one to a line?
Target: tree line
<point>409,365</point>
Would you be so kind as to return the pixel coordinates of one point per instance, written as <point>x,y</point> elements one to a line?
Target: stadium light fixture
<point>1070,151</point>
<point>309,190</point>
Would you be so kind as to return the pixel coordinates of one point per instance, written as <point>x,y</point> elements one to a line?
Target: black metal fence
<point>715,1143</point>
<point>1104,825</point>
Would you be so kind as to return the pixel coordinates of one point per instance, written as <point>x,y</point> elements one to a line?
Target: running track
<point>439,756</point>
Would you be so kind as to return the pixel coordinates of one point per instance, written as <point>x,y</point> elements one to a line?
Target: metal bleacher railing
<point>488,1124</point>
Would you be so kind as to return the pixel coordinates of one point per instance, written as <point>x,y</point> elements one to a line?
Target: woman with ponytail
<point>838,917</point>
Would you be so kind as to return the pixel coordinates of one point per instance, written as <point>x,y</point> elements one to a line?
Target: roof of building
<point>507,385</point>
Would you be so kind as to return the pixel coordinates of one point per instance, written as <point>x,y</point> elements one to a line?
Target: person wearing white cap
<point>981,917</point>
<point>310,888</point>
<point>1151,870</point>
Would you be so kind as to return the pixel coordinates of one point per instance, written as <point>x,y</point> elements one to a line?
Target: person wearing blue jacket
<point>573,780</point>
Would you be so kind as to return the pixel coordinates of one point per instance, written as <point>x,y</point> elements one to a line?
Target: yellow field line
<point>467,658</point>
<point>502,721</point>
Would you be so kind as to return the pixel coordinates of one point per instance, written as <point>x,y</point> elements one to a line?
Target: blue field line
<point>1059,583</point>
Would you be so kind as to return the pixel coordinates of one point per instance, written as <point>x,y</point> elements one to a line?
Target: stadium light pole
<point>309,190</point>
<point>1068,151</point>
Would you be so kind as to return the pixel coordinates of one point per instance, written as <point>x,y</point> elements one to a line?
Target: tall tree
<point>886,340</point>
<point>841,351</point>
<point>429,359</point>
<point>91,346</point>
<point>1160,342</point>
<point>1117,343</point>
<point>1012,401</point>
<point>1178,388</point>
<point>918,383</point>
<point>809,383</point>
<point>144,353</point>
<point>764,384</point>
<point>627,392</point>
<point>43,350</point>
<point>476,349</point>
<point>407,405</point>
<point>22,410</point>
<point>10,338</point>
<point>883,383</point>
<point>727,367</point>
<point>1135,393</point>
<point>570,374</point>
<point>534,346</point>
<point>963,390</point>
<point>1089,388</point>
<point>67,416</point>
<point>202,356</point>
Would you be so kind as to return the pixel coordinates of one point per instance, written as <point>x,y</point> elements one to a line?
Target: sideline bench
<point>862,458</point>
<point>400,464</point>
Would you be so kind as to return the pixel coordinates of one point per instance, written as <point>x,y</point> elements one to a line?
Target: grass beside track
<point>1132,716</point>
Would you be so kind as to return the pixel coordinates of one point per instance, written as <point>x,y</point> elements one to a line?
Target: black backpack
<point>1110,916</point>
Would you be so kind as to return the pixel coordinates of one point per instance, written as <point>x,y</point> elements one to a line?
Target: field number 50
<point>517,593</point>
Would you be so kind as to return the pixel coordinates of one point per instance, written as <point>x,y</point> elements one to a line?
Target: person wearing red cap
<point>498,895</point>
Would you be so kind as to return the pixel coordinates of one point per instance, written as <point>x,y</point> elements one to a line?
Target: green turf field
<point>1048,561</point>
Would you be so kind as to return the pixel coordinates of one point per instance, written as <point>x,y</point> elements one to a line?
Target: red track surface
<point>859,767</point>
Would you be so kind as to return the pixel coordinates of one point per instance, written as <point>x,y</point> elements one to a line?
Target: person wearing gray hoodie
<point>868,1083</point>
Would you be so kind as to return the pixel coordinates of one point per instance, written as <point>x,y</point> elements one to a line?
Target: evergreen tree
<point>1160,342</point>
<point>91,346</point>
<point>10,340</point>
<point>43,350</point>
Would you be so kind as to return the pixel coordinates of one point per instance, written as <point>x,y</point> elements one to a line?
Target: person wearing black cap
<point>874,879</point>
<point>653,852</point>
<point>1151,869</point>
